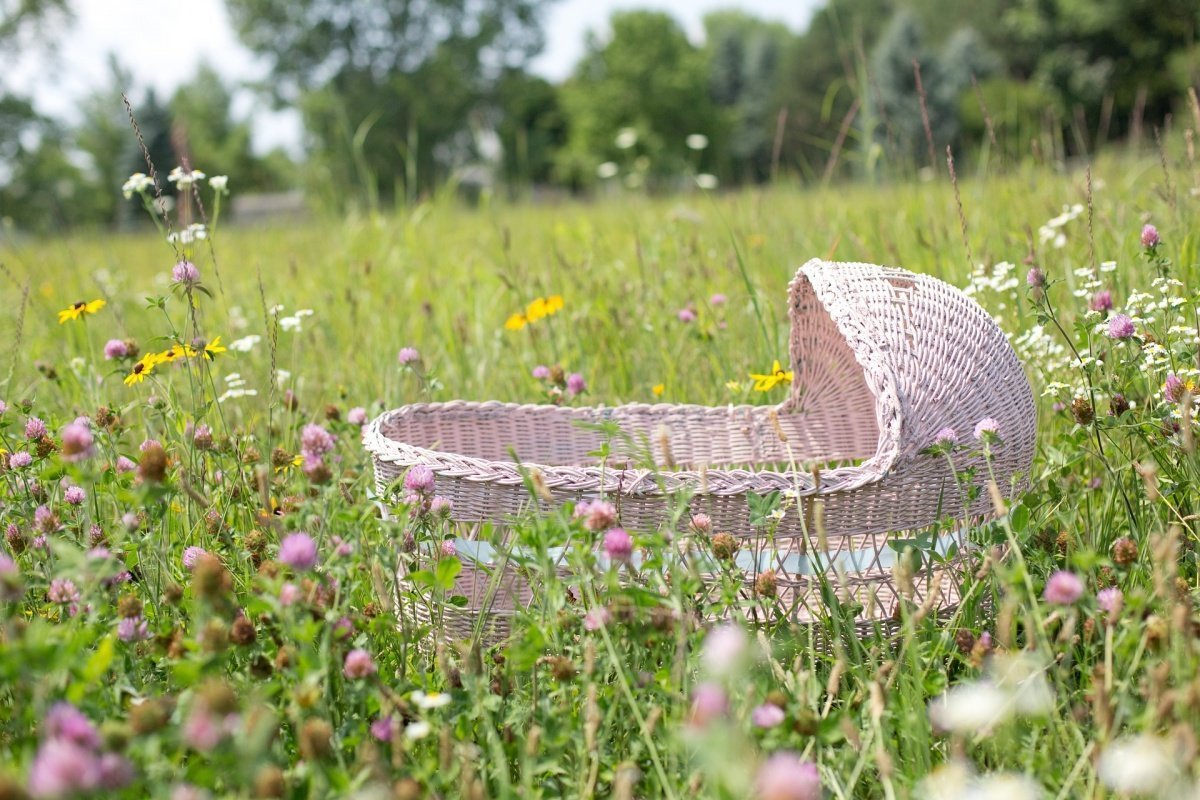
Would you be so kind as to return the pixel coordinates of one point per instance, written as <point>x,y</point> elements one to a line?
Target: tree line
<point>399,99</point>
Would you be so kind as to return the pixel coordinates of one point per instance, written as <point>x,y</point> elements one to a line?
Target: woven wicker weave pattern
<point>883,359</point>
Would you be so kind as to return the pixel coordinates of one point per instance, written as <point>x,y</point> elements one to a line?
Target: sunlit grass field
<point>445,279</point>
<point>247,670</point>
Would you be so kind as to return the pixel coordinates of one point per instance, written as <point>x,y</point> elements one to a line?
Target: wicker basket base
<point>491,589</point>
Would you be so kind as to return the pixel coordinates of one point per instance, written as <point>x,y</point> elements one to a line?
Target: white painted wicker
<point>883,360</point>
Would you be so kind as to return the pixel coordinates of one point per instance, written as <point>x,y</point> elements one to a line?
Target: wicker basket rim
<point>825,279</point>
<point>611,478</point>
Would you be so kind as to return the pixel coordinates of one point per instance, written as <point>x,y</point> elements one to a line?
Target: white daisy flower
<point>417,730</point>
<point>430,700</point>
<point>970,708</point>
<point>626,138</point>
<point>1138,765</point>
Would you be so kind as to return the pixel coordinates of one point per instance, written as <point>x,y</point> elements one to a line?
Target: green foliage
<point>596,693</point>
<point>24,20</point>
<point>1020,113</point>
<point>944,77</point>
<point>745,60</point>
<point>646,77</point>
<point>532,126</point>
<point>824,80</point>
<point>202,113</point>
<point>390,91</point>
<point>401,98</point>
<point>41,187</point>
<point>1085,51</point>
<point>105,136</point>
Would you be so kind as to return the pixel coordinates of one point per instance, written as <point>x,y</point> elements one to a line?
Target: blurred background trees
<point>634,99</point>
<point>395,94</point>
<point>399,99</point>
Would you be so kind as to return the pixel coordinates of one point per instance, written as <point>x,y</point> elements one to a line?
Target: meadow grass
<point>242,670</point>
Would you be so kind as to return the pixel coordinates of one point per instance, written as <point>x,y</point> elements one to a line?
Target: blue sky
<point>199,29</point>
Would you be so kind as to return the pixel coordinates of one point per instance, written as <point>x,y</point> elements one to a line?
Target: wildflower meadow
<point>199,585</point>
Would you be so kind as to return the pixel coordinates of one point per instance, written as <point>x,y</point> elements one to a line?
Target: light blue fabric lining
<point>848,562</point>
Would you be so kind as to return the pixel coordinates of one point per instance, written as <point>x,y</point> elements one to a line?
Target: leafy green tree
<point>42,189</point>
<point>824,79</point>
<point>19,123</point>
<point>154,121</point>
<point>941,20</point>
<point>1017,111</point>
<point>35,174</point>
<point>202,111</point>
<point>646,77</point>
<point>1084,50</point>
<point>105,136</point>
<point>388,88</point>
<point>23,21</point>
<point>532,126</point>
<point>746,56</point>
<point>944,78</point>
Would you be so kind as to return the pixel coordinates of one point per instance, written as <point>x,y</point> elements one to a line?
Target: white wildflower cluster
<point>1055,389</point>
<point>108,282</point>
<point>138,183</point>
<point>607,170</point>
<point>1000,279</point>
<point>184,180</point>
<point>430,700</point>
<point>1088,284</point>
<point>626,138</point>
<point>1150,306</point>
<point>245,344</point>
<point>192,233</point>
<point>1035,345</point>
<point>706,181</point>
<point>696,141</point>
<point>1185,334</point>
<point>219,183</point>
<point>1170,289</point>
<point>1052,232</point>
<point>235,387</point>
<point>294,322</point>
<point>237,318</point>
<point>1014,686</point>
<point>955,780</point>
<point>1140,306</point>
<point>1142,766</point>
<point>1155,357</point>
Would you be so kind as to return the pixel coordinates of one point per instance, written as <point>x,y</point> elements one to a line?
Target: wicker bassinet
<point>883,360</point>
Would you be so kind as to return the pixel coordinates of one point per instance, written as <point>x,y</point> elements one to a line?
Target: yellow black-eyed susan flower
<point>213,348</point>
<point>139,372</point>
<point>79,310</point>
<point>777,375</point>
<point>539,308</point>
